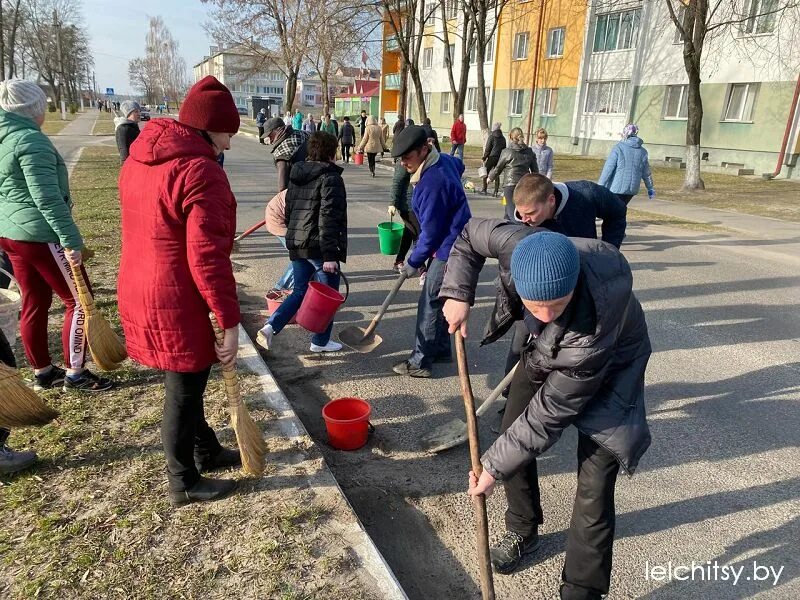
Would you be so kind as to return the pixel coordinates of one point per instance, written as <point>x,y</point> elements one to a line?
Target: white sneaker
<point>264,336</point>
<point>331,346</point>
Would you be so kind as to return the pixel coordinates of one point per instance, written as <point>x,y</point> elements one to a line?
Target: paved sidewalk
<point>77,135</point>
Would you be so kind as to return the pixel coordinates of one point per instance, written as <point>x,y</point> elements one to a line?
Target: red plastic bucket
<point>320,305</point>
<point>275,298</point>
<point>358,158</point>
<point>347,421</point>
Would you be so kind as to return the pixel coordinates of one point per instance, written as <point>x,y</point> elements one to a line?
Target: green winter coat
<point>34,186</point>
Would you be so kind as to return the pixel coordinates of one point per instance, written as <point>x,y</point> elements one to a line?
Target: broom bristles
<point>20,405</point>
<point>106,347</point>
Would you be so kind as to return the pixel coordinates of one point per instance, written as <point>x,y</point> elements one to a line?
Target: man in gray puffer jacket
<point>584,366</point>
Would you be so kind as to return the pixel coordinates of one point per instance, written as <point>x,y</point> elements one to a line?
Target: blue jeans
<point>304,270</point>
<point>457,149</point>
<point>433,341</point>
<point>286,282</point>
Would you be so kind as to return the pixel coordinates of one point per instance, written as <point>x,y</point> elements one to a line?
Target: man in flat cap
<point>441,207</point>
<point>288,147</point>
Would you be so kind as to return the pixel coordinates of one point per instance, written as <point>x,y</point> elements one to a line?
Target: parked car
<point>242,111</point>
<point>144,113</point>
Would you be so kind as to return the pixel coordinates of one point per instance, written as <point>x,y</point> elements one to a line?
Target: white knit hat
<point>23,98</point>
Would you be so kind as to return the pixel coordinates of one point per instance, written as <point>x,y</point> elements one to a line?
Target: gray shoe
<point>12,461</point>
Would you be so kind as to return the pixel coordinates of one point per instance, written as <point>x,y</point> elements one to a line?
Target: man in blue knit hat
<point>584,366</point>
<point>441,208</point>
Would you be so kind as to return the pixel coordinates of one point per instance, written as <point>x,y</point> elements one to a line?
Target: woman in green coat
<point>40,237</point>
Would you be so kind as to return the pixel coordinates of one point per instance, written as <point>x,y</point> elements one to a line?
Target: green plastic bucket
<point>389,236</point>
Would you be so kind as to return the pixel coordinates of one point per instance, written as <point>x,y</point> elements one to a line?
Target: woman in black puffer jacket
<point>316,236</point>
<point>516,160</point>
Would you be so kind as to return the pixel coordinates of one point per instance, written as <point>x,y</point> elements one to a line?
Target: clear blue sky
<point>117,33</point>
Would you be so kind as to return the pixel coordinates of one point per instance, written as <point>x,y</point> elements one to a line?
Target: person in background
<point>335,125</point>
<point>347,139</point>
<point>41,239</point>
<point>276,225</point>
<point>288,148</point>
<point>362,123</point>
<point>458,137</point>
<point>491,154</point>
<point>297,120</point>
<point>517,160</point>
<point>127,127</point>
<point>261,118</point>
<point>585,367</point>
<point>627,166</point>
<point>409,122</point>
<point>441,207</point>
<point>310,126</point>
<point>372,142</point>
<point>401,202</point>
<point>385,130</point>
<point>287,118</point>
<point>399,125</point>
<point>170,283</point>
<point>316,235</point>
<point>543,152</point>
<point>433,136</point>
<point>327,125</point>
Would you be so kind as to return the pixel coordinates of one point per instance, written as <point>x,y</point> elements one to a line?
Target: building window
<point>444,105</point>
<point>449,51</point>
<point>426,98</point>
<point>555,42</point>
<point>549,102</point>
<point>606,97</point>
<point>472,100</point>
<point>616,31</point>
<point>760,16</point>
<point>739,102</point>
<point>489,50</point>
<point>473,53</point>
<point>515,104</point>
<point>451,9</point>
<point>676,103</point>
<point>521,46</point>
<point>427,58</point>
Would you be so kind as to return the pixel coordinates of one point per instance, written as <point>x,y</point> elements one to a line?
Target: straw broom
<point>20,406</point>
<point>251,443</point>
<point>107,349</point>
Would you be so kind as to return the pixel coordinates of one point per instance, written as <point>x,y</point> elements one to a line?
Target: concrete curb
<point>289,424</point>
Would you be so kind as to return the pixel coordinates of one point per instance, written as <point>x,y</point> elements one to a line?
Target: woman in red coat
<point>178,224</point>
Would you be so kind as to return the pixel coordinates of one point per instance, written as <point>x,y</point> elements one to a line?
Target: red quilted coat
<point>178,224</point>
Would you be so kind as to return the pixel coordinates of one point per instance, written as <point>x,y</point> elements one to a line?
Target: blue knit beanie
<point>545,266</point>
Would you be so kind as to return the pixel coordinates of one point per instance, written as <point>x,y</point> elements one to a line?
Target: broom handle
<point>479,502</point>
<point>385,306</point>
<point>228,371</point>
<point>84,295</point>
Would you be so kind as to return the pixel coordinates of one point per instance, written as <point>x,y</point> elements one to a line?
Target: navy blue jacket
<point>441,207</point>
<point>578,208</point>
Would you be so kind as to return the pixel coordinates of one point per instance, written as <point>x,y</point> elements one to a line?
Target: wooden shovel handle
<point>385,306</point>
<point>479,502</point>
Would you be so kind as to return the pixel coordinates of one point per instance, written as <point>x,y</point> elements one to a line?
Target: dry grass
<point>53,123</point>
<point>91,519</point>
<point>104,124</point>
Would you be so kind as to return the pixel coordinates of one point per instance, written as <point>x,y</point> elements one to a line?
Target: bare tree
<point>467,37</point>
<point>166,67</point>
<point>269,33</point>
<point>697,22</point>
<point>142,78</point>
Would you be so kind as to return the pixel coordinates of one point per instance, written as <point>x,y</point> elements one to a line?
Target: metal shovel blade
<point>451,434</point>
<point>357,338</point>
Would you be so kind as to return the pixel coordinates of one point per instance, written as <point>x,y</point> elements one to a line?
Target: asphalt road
<point>719,485</point>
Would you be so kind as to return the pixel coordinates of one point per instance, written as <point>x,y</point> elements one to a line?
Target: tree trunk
<point>423,114</point>
<point>326,103</point>
<point>402,95</point>
<point>694,124</point>
<point>291,90</point>
<point>2,44</point>
<point>448,63</point>
<point>467,43</point>
<point>12,65</point>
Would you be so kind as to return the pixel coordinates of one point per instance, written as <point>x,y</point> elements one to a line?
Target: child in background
<point>544,153</point>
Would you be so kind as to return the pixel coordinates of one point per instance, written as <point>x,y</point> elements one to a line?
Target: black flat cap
<point>271,125</point>
<point>409,139</point>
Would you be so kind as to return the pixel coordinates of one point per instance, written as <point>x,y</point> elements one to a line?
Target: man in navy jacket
<point>441,207</point>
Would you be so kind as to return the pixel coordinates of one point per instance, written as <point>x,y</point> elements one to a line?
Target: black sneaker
<point>406,368</point>
<point>87,382</point>
<point>227,457</point>
<point>12,461</point>
<point>52,379</point>
<point>508,552</point>
<point>204,490</point>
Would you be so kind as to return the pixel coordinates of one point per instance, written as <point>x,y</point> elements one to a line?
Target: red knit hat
<point>209,106</point>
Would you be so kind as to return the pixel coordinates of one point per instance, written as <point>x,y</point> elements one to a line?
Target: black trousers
<point>410,234</point>
<point>185,434</point>
<point>261,133</point>
<point>625,198</point>
<point>371,161</point>
<point>491,163</point>
<point>346,152</point>
<point>587,567</point>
